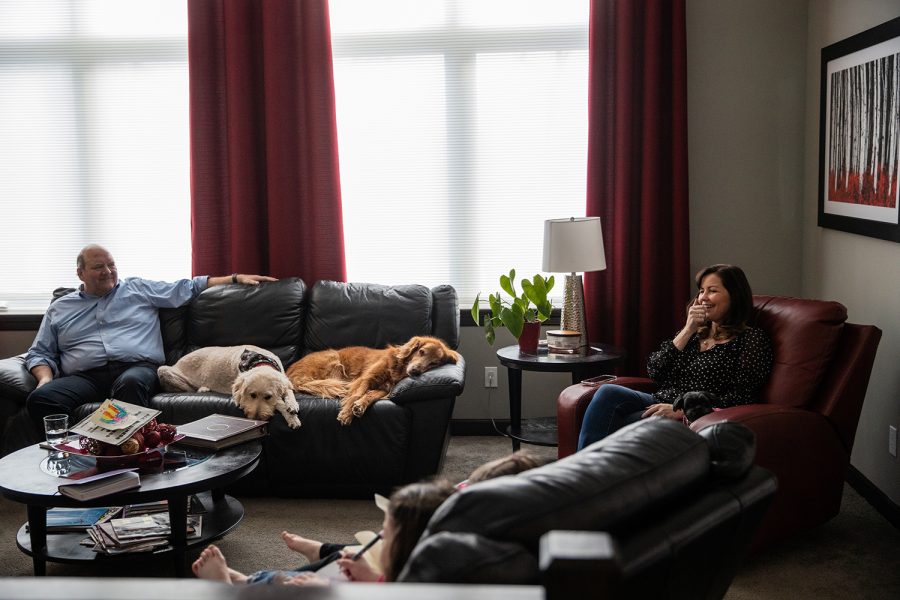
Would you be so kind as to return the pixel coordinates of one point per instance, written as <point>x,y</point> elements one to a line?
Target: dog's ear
<point>238,389</point>
<point>407,349</point>
<point>452,355</point>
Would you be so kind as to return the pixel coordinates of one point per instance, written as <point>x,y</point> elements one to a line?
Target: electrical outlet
<point>490,377</point>
<point>892,441</point>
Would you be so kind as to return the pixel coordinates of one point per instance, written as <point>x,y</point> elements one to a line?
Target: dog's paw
<point>203,389</point>
<point>359,408</point>
<point>345,416</point>
<point>293,422</point>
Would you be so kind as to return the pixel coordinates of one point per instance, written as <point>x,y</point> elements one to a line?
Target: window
<point>94,115</point>
<point>462,126</point>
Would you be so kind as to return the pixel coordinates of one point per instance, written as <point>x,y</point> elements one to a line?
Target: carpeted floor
<point>855,555</point>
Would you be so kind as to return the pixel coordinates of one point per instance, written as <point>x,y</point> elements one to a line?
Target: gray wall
<point>753,101</point>
<point>861,272</point>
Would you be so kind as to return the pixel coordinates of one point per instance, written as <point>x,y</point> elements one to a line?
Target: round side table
<point>542,432</point>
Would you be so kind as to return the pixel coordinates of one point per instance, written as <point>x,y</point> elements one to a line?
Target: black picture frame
<point>859,134</point>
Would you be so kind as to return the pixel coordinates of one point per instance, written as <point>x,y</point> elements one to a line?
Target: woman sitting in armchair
<point>716,353</point>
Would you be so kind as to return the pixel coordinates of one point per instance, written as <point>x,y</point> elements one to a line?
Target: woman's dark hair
<point>512,464</point>
<point>410,507</point>
<point>739,291</point>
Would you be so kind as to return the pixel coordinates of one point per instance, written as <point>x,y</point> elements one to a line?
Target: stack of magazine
<point>143,533</point>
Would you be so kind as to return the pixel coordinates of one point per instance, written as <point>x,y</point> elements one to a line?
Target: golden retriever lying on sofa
<point>361,376</point>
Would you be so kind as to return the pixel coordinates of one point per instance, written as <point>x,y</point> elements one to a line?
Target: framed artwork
<point>859,133</point>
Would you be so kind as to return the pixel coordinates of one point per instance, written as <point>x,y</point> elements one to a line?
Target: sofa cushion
<point>732,448</point>
<point>639,467</point>
<point>469,558</point>
<point>356,314</point>
<point>269,315</point>
<point>804,335</point>
<point>16,382</point>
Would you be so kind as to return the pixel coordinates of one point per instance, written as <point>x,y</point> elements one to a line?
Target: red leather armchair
<point>806,420</point>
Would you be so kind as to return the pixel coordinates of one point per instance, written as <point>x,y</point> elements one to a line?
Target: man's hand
<point>253,279</point>
<point>663,410</point>
<point>42,374</point>
<point>239,278</point>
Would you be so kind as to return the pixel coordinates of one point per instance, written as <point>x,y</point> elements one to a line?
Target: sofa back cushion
<point>270,315</point>
<point>366,314</point>
<point>804,335</point>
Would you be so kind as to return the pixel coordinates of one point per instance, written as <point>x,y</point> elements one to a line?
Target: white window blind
<point>94,121</point>
<point>462,126</point>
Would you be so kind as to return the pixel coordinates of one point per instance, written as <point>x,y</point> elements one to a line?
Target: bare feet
<point>308,548</point>
<point>211,565</point>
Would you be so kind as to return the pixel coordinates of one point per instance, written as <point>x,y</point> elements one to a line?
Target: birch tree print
<point>864,133</point>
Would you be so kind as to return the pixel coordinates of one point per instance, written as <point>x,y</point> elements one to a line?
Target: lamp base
<point>573,317</point>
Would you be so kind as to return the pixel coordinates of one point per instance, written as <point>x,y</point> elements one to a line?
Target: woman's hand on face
<point>696,316</point>
<point>356,570</point>
<point>663,410</point>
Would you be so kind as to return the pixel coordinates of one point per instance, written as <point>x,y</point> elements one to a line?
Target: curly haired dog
<point>361,376</point>
<point>252,375</point>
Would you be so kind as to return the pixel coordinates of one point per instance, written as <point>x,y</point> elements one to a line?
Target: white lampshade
<point>573,245</point>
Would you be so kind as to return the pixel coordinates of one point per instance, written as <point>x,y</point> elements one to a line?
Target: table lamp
<point>574,245</point>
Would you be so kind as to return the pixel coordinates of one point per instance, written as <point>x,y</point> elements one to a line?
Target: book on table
<point>68,520</point>
<point>221,431</point>
<point>101,484</point>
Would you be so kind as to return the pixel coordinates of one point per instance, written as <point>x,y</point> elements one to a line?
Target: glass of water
<point>57,428</point>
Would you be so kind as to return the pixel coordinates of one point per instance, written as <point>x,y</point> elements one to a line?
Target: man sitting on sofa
<point>103,340</point>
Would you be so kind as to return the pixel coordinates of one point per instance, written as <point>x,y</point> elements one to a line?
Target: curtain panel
<point>265,186</point>
<point>637,174</point>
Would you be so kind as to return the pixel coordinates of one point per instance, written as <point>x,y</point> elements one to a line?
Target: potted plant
<point>521,313</point>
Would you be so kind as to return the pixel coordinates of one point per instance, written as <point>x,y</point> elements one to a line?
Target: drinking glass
<point>57,428</point>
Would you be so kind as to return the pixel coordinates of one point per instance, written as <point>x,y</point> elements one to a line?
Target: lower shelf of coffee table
<point>220,518</point>
<point>539,432</point>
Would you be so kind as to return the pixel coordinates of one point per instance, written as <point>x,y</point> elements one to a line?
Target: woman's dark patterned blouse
<point>735,370</point>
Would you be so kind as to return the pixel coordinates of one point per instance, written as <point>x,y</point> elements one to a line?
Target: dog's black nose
<point>415,372</point>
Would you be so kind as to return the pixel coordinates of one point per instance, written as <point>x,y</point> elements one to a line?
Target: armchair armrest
<point>16,382</point>
<point>804,451</point>
<point>574,400</point>
<point>446,381</point>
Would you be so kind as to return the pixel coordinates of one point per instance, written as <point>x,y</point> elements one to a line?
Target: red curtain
<point>637,174</point>
<point>265,185</point>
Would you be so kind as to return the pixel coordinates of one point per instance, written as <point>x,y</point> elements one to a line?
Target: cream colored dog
<point>252,375</point>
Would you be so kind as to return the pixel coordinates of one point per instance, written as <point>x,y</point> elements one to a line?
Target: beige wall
<point>746,81</point>
<point>861,272</point>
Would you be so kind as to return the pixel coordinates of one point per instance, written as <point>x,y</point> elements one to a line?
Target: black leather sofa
<point>652,511</point>
<point>397,441</point>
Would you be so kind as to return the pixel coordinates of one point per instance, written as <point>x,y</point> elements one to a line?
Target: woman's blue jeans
<point>611,408</point>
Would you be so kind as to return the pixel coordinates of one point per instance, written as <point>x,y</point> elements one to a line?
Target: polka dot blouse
<point>735,370</point>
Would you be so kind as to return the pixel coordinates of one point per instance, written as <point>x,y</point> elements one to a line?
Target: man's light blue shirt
<point>80,331</point>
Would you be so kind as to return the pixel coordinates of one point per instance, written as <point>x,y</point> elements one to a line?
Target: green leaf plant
<point>531,306</point>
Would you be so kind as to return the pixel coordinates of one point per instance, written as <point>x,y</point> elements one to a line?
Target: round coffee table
<point>23,480</point>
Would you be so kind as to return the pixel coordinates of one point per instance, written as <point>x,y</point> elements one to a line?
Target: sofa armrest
<point>574,400</point>
<point>574,561</point>
<point>15,380</point>
<point>446,381</point>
